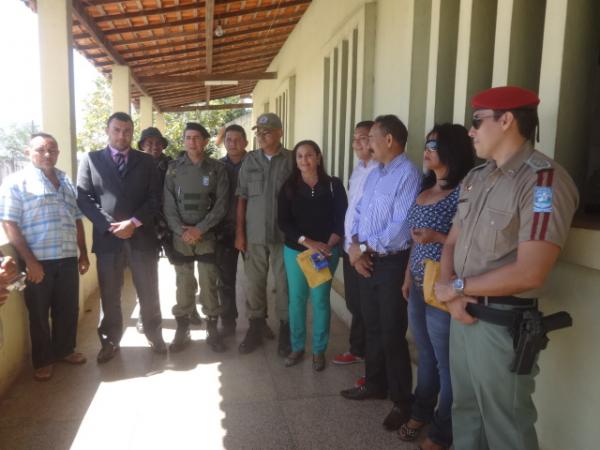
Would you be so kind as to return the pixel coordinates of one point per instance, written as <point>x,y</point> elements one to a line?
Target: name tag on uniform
<point>542,199</point>
<point>205,180</point>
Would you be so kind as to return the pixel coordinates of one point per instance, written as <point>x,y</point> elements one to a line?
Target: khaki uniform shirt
<point>196,195</point>
<point>500,207</point>
<point>259,182</point>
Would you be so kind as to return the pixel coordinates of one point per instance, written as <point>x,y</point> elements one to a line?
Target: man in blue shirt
<point>379,252</point>
<point>40,217</point>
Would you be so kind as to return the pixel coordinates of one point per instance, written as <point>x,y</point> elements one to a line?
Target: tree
<point>97,110</point>
<point>14,138</point>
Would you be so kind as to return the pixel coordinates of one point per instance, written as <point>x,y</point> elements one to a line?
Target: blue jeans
<point>431,330</point>
<point>299,291</point>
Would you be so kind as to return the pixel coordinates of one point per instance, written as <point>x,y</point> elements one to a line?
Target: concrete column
<point>569,55</point>
<point>145,112</point>
<point>518,43</point>
<point>56,65</point>
<point>159,121</point>
<point>474,58</point>
<point>418,78</point>
<point>121,87</point>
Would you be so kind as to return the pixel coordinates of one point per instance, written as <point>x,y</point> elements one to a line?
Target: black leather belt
<point>503,317</point>
<point>507,300</point>
<point>385,255</point>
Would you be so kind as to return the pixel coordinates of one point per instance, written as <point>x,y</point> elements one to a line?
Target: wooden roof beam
<point>209,77</point>
<point>86,21</point>
<point>209,26</point>
<point>211,107</point>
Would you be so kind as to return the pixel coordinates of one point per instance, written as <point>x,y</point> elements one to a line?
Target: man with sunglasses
<point>258,236</point>
<point>513,217</point>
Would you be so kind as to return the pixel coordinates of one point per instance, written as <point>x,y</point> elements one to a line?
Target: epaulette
<point>538,163</point>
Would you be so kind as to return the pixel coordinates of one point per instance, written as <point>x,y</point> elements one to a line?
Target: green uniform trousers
<point>187,286</point>
<point>492,407</point>
<point>257,260</point>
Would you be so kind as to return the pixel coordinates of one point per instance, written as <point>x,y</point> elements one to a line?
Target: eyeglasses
<point>476,121</point>
<point>431,145</point>
<point>360,139</point>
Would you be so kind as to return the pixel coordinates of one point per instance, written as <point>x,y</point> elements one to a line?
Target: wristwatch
<point>459,286</point>
<point>362,247</point>
<point>301,239</point>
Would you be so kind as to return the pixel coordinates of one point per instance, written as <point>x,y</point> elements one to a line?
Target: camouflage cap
<point>268,120</point>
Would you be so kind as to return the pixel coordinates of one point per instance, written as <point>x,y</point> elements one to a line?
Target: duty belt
<point>502,317</point>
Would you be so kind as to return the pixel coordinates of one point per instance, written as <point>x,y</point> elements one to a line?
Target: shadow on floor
<point>195,399</point>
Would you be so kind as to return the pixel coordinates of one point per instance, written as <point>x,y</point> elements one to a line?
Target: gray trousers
<point>257,260</point>
<point>144,270</point>
<point>492,406</point>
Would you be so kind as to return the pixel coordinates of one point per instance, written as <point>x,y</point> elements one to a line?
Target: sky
<point>20,100</point>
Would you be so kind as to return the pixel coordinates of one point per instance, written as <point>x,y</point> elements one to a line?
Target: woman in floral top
<point>448,157</point>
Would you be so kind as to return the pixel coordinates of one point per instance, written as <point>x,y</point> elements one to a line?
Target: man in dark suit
<point>118,189</point>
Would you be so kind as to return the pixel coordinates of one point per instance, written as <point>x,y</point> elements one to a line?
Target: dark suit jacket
<point>104,197</point>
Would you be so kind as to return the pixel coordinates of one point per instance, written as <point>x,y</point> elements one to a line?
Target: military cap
<point>505,98</point>
<point>196,127</point>
<point>268,120</point>
<point>152,132</point>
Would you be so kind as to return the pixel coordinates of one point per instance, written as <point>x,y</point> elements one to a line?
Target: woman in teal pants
<point>311,210</point>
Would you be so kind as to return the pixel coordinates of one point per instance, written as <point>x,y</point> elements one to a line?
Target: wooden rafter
<point>209,26</point>
<point>211,107</point>
<point>210,77</point>
<point>86,21</point>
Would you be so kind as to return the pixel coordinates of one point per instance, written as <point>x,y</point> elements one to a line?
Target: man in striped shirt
<point>41,219</point>
<point>379,252</point>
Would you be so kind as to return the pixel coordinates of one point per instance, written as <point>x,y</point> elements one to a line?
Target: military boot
<point>182,335</point>
<point>213,338</point>
<point>284,346</point>
<point>253,337</point>
<point>228,327</point>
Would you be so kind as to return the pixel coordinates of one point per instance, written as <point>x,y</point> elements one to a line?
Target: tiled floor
<point>192,400</point>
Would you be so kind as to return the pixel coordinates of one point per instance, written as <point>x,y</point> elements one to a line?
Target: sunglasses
<point>476,121</point>
<point>431,145</point>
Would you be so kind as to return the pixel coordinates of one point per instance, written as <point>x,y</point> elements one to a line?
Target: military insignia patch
<point>542,199</point>
<point>205,180</point>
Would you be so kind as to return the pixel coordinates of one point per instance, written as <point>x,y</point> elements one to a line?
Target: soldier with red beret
<point>514,214</point>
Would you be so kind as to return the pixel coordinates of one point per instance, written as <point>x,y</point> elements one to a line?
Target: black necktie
<point>121,166</point>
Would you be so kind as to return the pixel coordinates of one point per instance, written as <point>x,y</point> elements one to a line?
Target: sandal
<point>43,373</point>
<point>75,358</point>
<point>409,434</point>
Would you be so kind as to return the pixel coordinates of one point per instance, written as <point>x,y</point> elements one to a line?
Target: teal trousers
<point>298,294</point>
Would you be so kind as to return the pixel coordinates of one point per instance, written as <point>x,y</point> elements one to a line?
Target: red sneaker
<point>347,358</point>
<point>361,381</point>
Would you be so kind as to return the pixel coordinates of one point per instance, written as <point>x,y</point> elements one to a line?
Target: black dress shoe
<point>107,352</point>
<point>362,393</point>
<point>397,416</point>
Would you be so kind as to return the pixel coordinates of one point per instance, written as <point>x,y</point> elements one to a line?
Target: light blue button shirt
<point>45,215</point>
<point>380,219</point>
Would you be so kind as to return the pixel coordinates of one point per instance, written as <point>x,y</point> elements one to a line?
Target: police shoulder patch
<point>542,199</point>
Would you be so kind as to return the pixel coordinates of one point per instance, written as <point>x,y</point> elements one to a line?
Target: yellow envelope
<point>313,276</point>
<point>432,274</point>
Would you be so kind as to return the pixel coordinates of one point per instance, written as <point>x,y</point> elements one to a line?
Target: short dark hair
<point>43,135</point>
<point>455,151</point>
<point>391,124</point>
<point>526,118</point>
<point>364,124</point>
<point>120,116</point>
<point>237,129</point>
<point>196,127</point>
